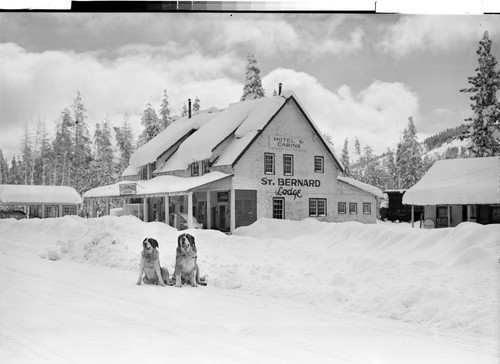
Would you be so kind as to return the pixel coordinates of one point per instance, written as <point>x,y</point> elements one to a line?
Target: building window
<point>495,214</point>
<point>195,169</point>
<point>144,172</point>
<point>442,216</point>
<point>278,208</point>
<point>319,164</point>
<point>288,164</point>
<point>342,208</point>
<point>269,163</point>
<point>51,211</point>
<point>317,207</point>
<point>353,208</point>
<point>69,210</point>
<point>35,211</point>
<point>367,208</point>
<point>206,166</point>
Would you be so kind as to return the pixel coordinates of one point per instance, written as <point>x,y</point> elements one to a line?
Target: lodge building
<point>262,158</point>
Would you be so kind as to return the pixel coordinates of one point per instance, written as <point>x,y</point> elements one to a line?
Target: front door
<point>222,217</point>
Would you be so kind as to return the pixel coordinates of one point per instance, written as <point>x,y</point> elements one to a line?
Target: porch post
<point>190,210</point>
<point>412,216</point>
<point>145,209</point>
<point>449,215</point>
<point>469,212</point>
<point>209,209</point>
<point>232,212</point>
<point>167,209</point>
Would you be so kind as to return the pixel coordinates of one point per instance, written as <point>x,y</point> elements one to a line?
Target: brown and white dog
<point>186,267</point>
<point>150,265</point>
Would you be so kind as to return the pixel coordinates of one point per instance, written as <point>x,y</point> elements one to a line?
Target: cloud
<point>375,115</point>
<point>282,35</point>
<point>42,84</point>
<point>438,33</point>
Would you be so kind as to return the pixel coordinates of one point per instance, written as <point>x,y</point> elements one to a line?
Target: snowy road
<point>67,312</point>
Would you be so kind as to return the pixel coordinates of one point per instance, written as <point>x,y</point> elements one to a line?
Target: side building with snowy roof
<point>457,190</point>
<point>40,201</point>
<point>221,169</point>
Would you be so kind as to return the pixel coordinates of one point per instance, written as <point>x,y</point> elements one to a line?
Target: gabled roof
<point>242,121</point>
<point>466,181</point>
<point>149,152</point>
<point>362,186</point>
<point>32,194</point>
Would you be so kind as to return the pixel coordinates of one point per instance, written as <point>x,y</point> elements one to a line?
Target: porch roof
<point>162,185</point>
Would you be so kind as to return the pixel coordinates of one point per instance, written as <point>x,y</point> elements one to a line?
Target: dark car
<point>14,214</point>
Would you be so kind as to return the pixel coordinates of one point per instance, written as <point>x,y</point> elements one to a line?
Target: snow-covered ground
<point>279,291</point>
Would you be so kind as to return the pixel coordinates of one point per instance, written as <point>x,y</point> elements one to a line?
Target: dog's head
<point>149,244</point>
<point>185,243</point>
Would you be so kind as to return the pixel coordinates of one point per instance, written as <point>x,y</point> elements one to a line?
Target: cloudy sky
<point>357,75</point>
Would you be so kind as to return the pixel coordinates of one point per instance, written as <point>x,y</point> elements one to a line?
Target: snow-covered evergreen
<point>344,158</point>
<point>124,140</point>
<point>151,123</point>
<point>164,111</point>
<point>408,157</point>
<point>196,104</point>
<point>484,131</point>
<point>253,84</point>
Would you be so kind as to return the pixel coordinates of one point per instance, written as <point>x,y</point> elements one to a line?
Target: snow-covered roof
<point>158,185</point>
<point>361,185</point>
<point>131,171</point>
<point>31,194</point>
<point>458,181</point>
<point>244,119</point>
<point>241,122</point>
<point>149,152</point>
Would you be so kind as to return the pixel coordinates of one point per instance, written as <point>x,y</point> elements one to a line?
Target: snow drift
<point>442,278</point>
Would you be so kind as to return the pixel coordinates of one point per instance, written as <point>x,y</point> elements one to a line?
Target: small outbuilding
<point>41,201</point>
<point>359,199</point>
<point>457,190</point>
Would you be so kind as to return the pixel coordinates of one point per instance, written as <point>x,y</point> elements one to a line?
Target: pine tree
<point>408,159</point>
<point>124,140</point>
<point>42,154</point>
<point>184,110</point>
<point>101,168</point>
<point>253,84</point>
<point>4,169</point>
<point>151,125</point>
<point>484,131</point>
<point>391,170</point>
<point>15,177</point>
<point>63,151</point>
<point>196,105</point>
<point>82,143</point>
<point>164,112</point>
<point>344,158</point>
<point>27,157</point>
<point>357,147</point>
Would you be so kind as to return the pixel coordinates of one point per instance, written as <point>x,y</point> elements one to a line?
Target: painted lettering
<point>289,192</point>
<point>292,182</point>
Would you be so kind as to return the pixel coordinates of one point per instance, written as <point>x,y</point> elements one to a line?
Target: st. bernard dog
<point>186,267</point>
<point>150,265</point>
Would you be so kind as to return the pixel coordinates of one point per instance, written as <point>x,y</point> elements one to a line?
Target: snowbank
<point>441,278</point>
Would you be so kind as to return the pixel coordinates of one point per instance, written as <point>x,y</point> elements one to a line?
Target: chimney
<point>279,89</point>
<point>189,108</point>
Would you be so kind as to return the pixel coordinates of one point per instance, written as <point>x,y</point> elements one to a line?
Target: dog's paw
<point>138,283</point>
